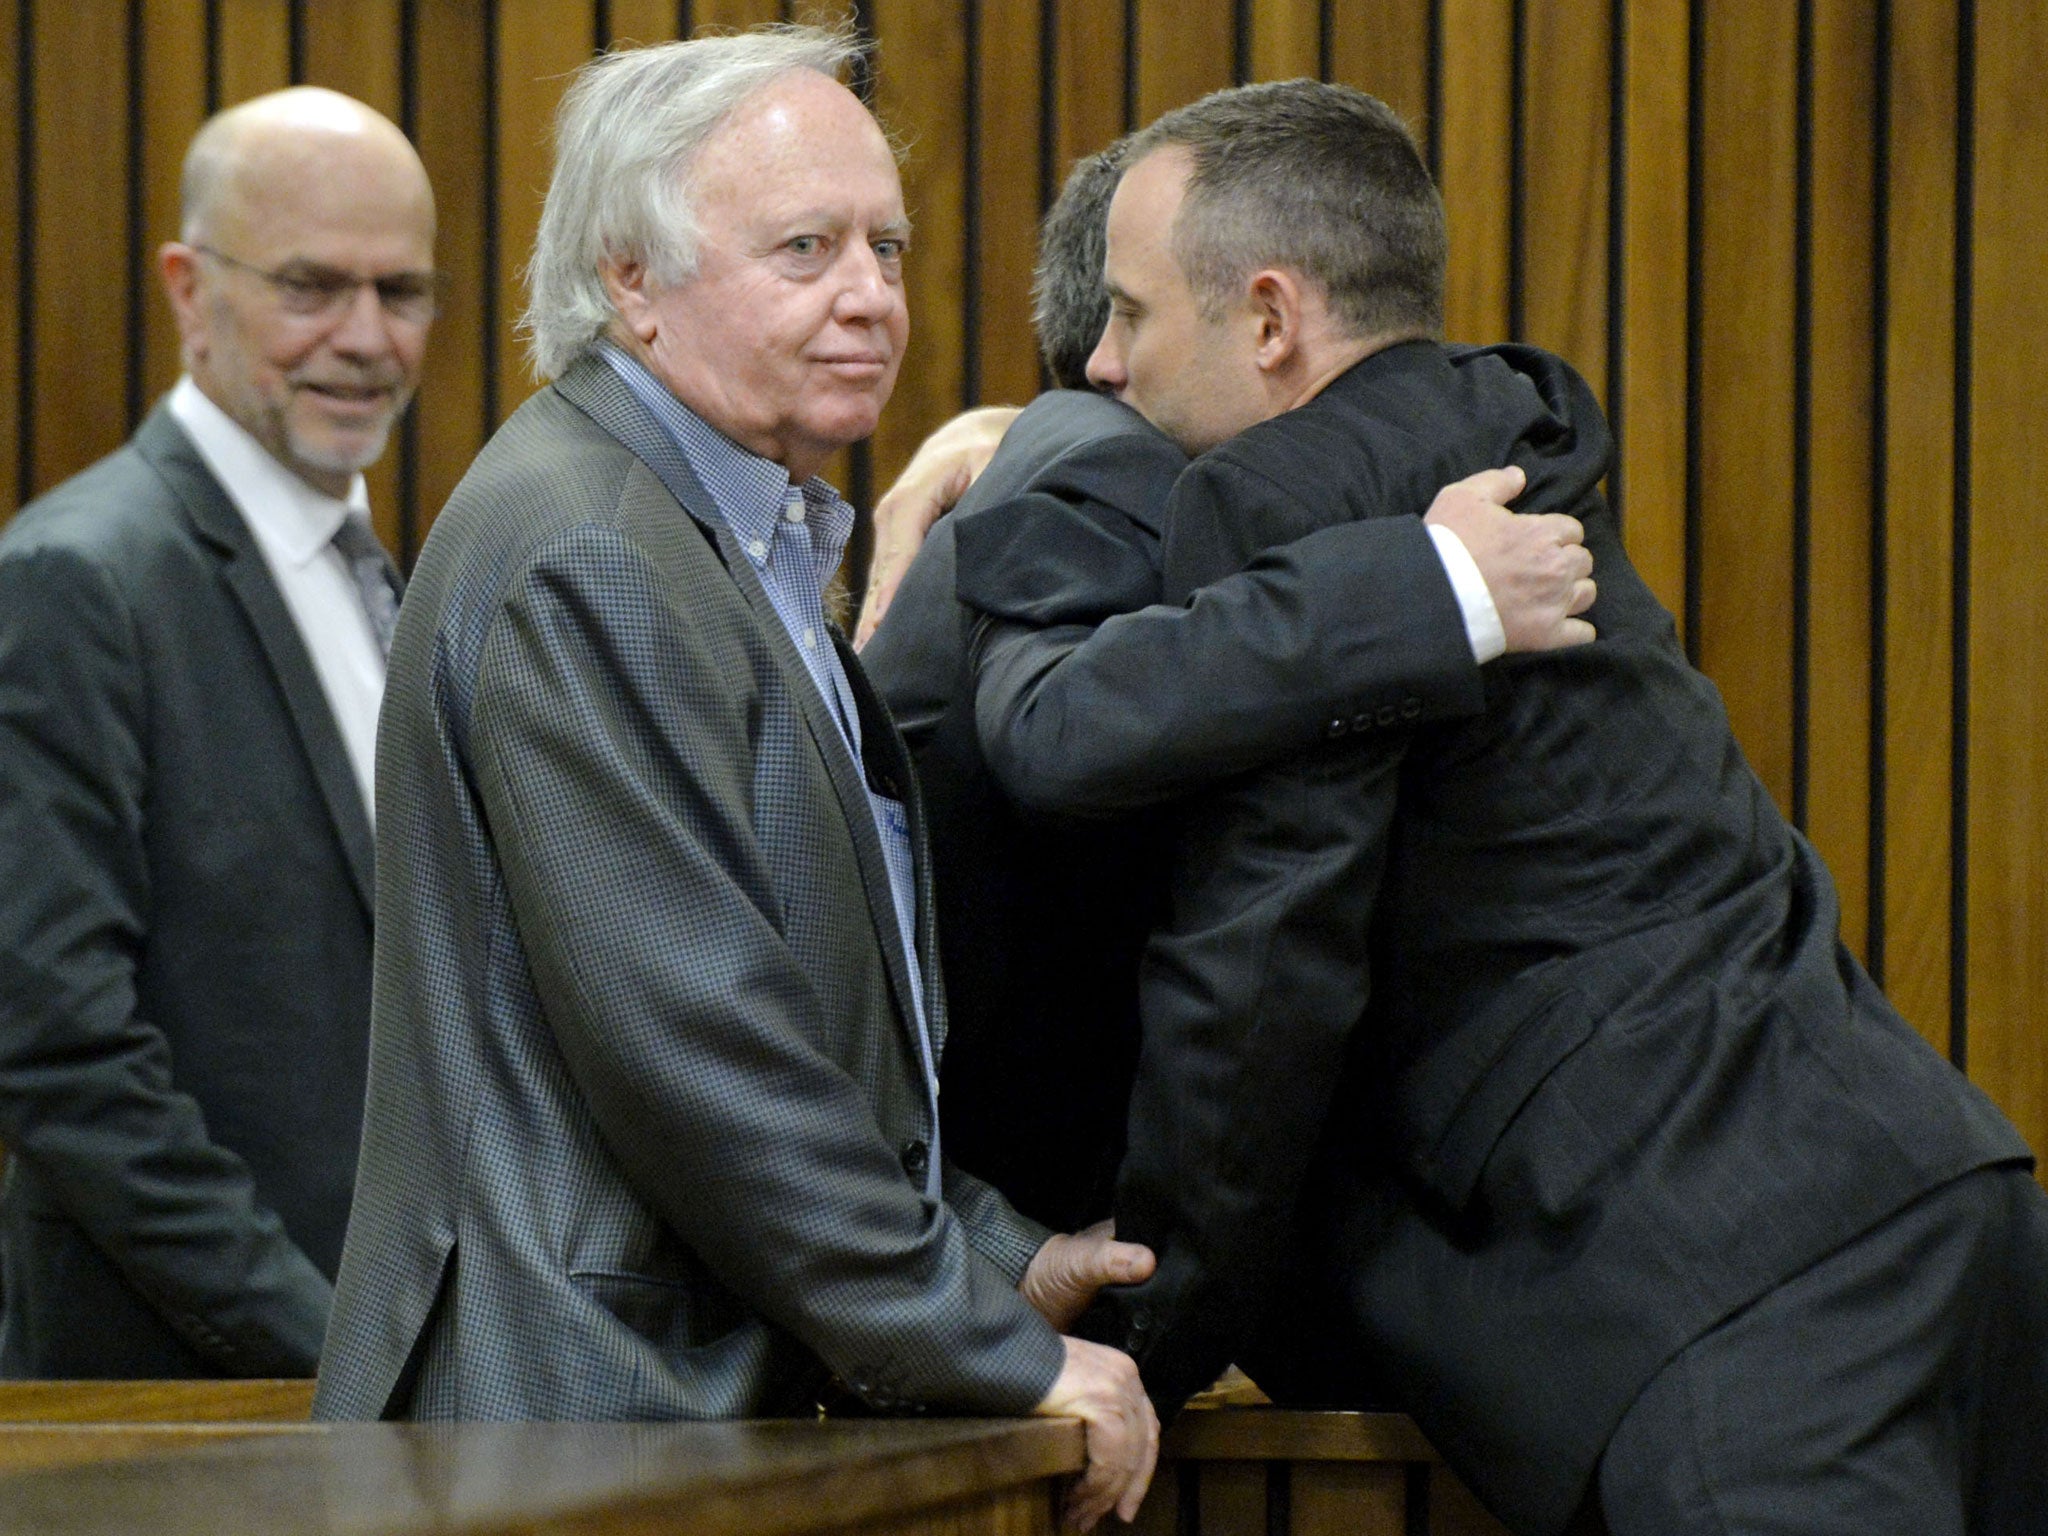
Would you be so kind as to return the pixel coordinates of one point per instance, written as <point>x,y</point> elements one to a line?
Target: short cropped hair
<point>1319,179</point>
<point>626,136</point>
<point>1069,301</point>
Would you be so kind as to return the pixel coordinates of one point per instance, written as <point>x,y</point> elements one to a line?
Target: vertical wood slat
<point>1746,374</point>
<point>1474,156</point>
<point>539,44</point>
<point>354,49</point>
<point>1382,47</point>
<point>255,48</point>
<point>641,21</point>
<point>1184,51</point>
<point>14,289</point>
<point>1339,1498</point>
<point>1564,190</point>
<point>77,379</point>
<point>1651,352</point>
<point>732,15</point>
<point>450,46</point>
<point>2007,956</point>
<point>173,106</point>
<point>1840,399</point>
<point>922,92</point>
<point>1089,85</point>
<point>1286,40</point>
<point>1233,1498</point>
<point>1008,194</point>
<point>1919,471</point>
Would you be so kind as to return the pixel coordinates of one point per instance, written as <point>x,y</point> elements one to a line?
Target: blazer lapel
<point>220,526</point>
<point>593,388</point>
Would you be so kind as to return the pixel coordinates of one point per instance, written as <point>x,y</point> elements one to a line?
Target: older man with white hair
<point>652,1126</point>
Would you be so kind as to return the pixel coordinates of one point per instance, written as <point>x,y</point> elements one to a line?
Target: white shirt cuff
<point>1482,619</point>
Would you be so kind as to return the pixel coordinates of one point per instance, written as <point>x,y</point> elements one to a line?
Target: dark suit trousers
<point>1899,1387</point>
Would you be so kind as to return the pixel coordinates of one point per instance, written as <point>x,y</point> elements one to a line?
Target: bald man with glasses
<point>192,646</point>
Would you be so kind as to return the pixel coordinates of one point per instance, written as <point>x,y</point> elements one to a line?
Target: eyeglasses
<point>314,292</point>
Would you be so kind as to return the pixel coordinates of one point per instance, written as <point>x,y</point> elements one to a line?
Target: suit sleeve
<point>1084,705</point>
<point>610,735</point>
<point>88,1100</point>
<point>1249,995</point>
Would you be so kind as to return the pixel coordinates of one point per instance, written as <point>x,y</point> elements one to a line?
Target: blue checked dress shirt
<point>795,535</point>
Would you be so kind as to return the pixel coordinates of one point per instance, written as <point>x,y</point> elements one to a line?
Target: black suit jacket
<point>185,874</point>
<point>1531,1030</point>
<point>1043,917</point>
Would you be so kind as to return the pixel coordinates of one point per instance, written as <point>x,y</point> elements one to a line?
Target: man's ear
<point>625,283</point>
<point>178,265</point>
<point>1275,298</point>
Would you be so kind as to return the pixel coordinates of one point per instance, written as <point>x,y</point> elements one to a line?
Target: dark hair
<point>1320,179</point>
<point>1069,305</point>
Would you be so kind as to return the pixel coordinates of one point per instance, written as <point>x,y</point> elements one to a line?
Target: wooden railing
<point>239,1458</point>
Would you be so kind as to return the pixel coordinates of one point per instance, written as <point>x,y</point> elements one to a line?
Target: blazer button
<point>1336,728</point>
<point>916,1159</point>
<point>1411,709</point>
<point>1388,714</point>
<point>1362,721</point>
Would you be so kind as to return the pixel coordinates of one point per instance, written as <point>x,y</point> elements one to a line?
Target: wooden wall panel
<point>1009,186</point>
<point>1748,88</point>
<point>15,291</point>
<point>1185,49</point>
<point>453,413</point>
<point>1837,448</point>
<point>1918,528</point>
<point>1286,40</point>
<point>76,377</point>
<point>1560,297</point>
<point>638,21</point>
<point>174,73</point>
<point>1091,87</point>
<point>1383,46</point>
<point>1648,396</point>
<point>2008,629</point>
<point>1475,156</point>
<point>255,49</point>
<point>922,93</point>
<point>539,43</point>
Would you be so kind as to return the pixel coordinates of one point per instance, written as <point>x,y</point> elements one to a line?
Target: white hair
<point>629,128</point>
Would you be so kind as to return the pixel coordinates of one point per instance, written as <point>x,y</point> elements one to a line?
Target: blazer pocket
<point>1458,1102</point>
<point>670,1312</point>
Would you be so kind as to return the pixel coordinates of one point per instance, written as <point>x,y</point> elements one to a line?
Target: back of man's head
<point>626,135</point>
<point>1069,304</point>
<point>1321,179</point>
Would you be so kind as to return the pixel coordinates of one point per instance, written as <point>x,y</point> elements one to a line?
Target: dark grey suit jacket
<point>1042,918</point>
<point>185,878</point>
<point>1532,1031</point>
<point>647,1130</point>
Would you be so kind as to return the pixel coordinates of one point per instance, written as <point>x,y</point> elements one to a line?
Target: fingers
<point>1067,1271</point>
<point>1501,485</point>
<point>1100,1386</point>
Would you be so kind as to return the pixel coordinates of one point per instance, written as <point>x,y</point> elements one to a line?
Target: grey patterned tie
<point>378,584</point>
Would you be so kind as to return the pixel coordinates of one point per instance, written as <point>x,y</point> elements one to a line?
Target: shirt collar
<point>751,492</point>
<point>293,521</point>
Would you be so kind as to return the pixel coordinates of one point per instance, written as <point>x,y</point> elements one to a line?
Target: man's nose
<point>866,293</point>
<point>363,328</point>
<point>1106,364</point>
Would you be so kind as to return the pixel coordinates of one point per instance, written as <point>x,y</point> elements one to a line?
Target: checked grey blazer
<point>646,1127</point>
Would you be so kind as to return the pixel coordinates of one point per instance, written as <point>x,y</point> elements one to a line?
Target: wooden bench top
<point>749,1479</point>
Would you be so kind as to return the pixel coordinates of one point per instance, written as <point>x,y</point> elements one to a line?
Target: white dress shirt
<point>293,525</point>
